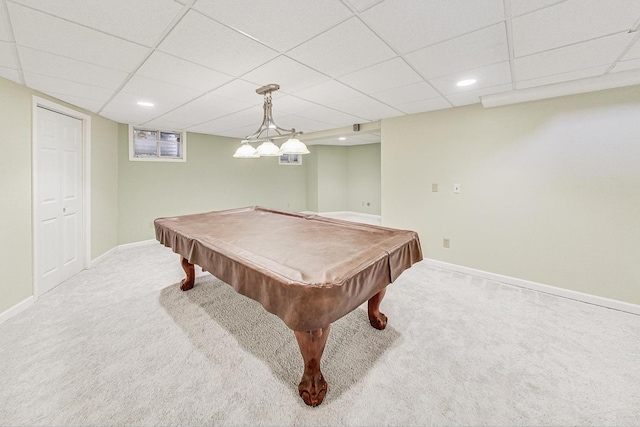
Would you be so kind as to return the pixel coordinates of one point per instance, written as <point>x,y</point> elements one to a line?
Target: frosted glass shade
<point>268,148</point>
<point>294,146</point>
<point>246,151</point>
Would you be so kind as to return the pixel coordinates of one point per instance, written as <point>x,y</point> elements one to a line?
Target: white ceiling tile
<point>563,77</point>
<point>166,125</point>
<point>604,50</point>
<point>345,48</point>
<point>205,108</point>
<point>520,7</point>
<point>425,105</point>
<point>289,104</point>
<point>303,124</point>
<point>330,116</point>
<point>487,76</point>
<point>206,128</point>
<point>486,46</point>
<point>237,133</point>
<point>366,107</point>
<point>78,101</point>
<point>143,22</point>
<point>632,64</point>
<point>473,96</point>
<point>7,58</point>
<point>295,23</point>
<point>373,137</point>
<point>572,22</point>
<point>60,67</point>
<point>48,84</point>
<point>11,74</point>
<point>379,77</point>
<point>362,5</point>
<point>64,38</point>
<point>240,119</point>
<point>203,41</point>
<point>169,69</point>
<point>634,51</point>
<point>128,114</point>
<point>409,24</point>
<point>327,92</point>
<point>405,94</point>
<point>165,96</point>
<point>289,74</point>
<point>5,33</point>
<point>241,91</point>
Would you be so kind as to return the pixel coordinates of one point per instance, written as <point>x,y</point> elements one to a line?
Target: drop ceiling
<point>338,62</point>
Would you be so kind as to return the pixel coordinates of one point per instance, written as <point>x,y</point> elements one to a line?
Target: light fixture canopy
<point>267,146</point>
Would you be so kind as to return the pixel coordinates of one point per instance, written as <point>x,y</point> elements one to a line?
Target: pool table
<point>306,269</point>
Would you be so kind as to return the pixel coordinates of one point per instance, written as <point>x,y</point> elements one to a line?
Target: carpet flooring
<point>120,344</point>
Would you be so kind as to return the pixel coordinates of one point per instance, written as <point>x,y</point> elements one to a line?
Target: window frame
<point>157,157</point>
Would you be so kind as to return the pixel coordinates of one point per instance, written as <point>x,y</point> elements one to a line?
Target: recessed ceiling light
<point>342,138</point>
<point>466,82</point>
<point>145,104</point>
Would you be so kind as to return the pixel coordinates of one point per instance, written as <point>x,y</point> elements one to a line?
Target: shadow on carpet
<point>222,324</point>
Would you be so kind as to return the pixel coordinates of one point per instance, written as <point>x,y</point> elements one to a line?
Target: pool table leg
<point>378,320</point>
<point>313,386</point>
<point>187,282</point>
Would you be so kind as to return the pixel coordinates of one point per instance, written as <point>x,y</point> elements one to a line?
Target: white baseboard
<point>124,246</point>
<point>16,309</point>
<point>104,255</point>
<point>553,290</point>
<point>136,244</point>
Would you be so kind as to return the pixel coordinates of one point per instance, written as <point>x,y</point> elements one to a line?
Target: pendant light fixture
<point>267,146</point>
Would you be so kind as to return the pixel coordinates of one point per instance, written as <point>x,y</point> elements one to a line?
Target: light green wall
<point>550,189</point>
<point>104,185</point>
<point>311,160</point>
<point>363,176</point>
<point>16,277</point>
<point>344,178</point>
<point>211,179</point>
<point>332,178</point>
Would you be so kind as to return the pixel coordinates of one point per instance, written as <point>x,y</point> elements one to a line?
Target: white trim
<point>548,289</point>
<point>124,246</point>
<point>104,255</point>
<point>17,309</point>
<point>86,179</point>
<point>136,244</point>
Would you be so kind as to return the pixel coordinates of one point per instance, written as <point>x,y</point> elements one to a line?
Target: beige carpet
<point>120,344</point>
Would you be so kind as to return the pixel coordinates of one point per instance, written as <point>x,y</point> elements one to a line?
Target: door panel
<point>59,169</point>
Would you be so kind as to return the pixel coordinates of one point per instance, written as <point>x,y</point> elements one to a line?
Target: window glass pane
<point>170,149</point>
<point>169,136</point>
<point>145,147</point>
<point>145,134</point>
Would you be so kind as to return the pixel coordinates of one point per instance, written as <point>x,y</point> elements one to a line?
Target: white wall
<point>550,189</point>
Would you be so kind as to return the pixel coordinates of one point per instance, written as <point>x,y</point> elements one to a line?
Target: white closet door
<point>59,223</point>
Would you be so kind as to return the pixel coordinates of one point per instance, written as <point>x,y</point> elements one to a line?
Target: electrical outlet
<point>456,188</point>
<point>445,243</point>
<point>434,188</point>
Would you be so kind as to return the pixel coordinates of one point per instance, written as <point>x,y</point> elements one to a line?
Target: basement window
<point>153,145</point>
